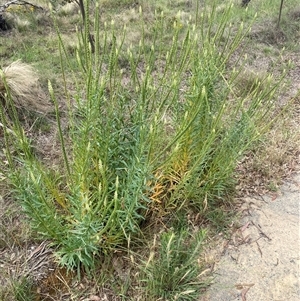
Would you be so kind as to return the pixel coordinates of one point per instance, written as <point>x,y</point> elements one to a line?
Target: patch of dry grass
<point>275,158</point>
<point>15,235</point>
<point>19,81</point>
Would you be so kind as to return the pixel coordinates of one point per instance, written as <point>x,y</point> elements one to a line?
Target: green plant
<point>163,134</point>
<point>173,274</point>
<point>23,290</point>
<point>212,125</point>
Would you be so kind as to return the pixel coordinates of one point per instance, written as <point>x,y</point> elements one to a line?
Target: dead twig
<point>280,11</point>
<point>260,231</point>
<point>259,249</point>
<point>244,292</point>
<point>245,288</point>
<point>243,228</point>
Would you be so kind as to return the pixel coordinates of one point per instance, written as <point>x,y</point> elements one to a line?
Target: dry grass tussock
<point>19,82</point>
<point>14,21</point>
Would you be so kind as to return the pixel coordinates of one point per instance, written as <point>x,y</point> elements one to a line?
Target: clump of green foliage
<point>163,133</point>
<point>174,273</point>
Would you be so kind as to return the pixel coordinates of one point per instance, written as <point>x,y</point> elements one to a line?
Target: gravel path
<point>262,260</point>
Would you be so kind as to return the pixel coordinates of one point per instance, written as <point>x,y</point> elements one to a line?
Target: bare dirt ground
<point>261,261</point>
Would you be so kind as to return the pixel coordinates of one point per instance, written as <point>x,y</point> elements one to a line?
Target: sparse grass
<point>149,124</point>
<point>23,290</point>
<point>15,235</point>
<point>172,271</point>
<point>275,157</point>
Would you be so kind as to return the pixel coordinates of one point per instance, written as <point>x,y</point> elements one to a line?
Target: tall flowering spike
<point>117,186</point>
<point>50,88</point>
<point>203,92</point>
